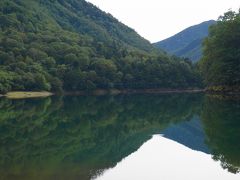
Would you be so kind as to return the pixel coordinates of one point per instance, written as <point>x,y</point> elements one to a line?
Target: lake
<point>124,137</point>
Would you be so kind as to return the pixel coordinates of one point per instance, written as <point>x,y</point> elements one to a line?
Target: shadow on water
<point>78,137</point>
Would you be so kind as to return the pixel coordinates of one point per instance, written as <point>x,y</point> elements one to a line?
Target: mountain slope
<point>74,15</point>
<point>72,45</point>
<point>187,43</point>
<point>220,64</point>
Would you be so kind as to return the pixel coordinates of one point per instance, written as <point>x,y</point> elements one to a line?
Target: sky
<point>156,20</point>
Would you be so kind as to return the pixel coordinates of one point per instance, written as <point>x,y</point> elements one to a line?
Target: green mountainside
<point>220,65</point>
<point>72,45</point>
<point>188,42</point>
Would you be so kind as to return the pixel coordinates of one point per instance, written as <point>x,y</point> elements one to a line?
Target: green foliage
<point>221,58</point>
<point>72,45</point>
<point>6,80</point>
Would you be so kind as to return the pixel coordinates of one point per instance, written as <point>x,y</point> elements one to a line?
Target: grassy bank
<point>25,94</point>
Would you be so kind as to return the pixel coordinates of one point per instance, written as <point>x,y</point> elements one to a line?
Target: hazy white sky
<point>158,19</point>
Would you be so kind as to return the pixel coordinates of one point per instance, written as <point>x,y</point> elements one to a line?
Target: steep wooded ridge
<point>72,45</point>
<point>220,65</point>
<point>187,43</point>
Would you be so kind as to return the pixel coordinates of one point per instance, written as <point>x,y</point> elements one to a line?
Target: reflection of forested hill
<point>221,121</point>
<point>77,136</point>
<point>189,133</point>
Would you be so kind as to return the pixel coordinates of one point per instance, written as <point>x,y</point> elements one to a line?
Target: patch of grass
<point>25,94</point>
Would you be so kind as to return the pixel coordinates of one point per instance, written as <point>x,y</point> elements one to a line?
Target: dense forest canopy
<point>220,64</point>
<point>72,45</point>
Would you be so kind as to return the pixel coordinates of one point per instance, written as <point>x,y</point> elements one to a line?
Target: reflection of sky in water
<point>161,158</point>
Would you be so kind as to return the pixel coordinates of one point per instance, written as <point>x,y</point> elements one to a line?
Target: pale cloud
<point>158,19</point>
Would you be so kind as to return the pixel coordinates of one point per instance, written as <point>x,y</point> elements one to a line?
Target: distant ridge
<point>187,43</point>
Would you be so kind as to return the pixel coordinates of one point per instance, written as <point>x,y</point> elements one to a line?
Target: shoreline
<point>102,92</point>
<point>97,92</point>
<point>231,90</point>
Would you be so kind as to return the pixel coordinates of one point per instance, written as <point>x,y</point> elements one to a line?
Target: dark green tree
<point>221,54</point>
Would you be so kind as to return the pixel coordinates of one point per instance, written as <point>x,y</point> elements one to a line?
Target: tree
<point>221,52</point>
<point>5,81</point>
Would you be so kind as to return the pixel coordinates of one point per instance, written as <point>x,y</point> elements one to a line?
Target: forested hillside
<point>187,43</point>
<point>71,45</point>
<point>220,64</point>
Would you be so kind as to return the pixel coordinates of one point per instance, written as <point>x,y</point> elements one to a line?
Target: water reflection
<point>162,158</point>
<point>188,133</point>
<point>79,137</point>
<point>221,119</point>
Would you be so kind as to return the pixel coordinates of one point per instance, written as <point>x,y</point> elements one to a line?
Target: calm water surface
<point>140,137</point>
